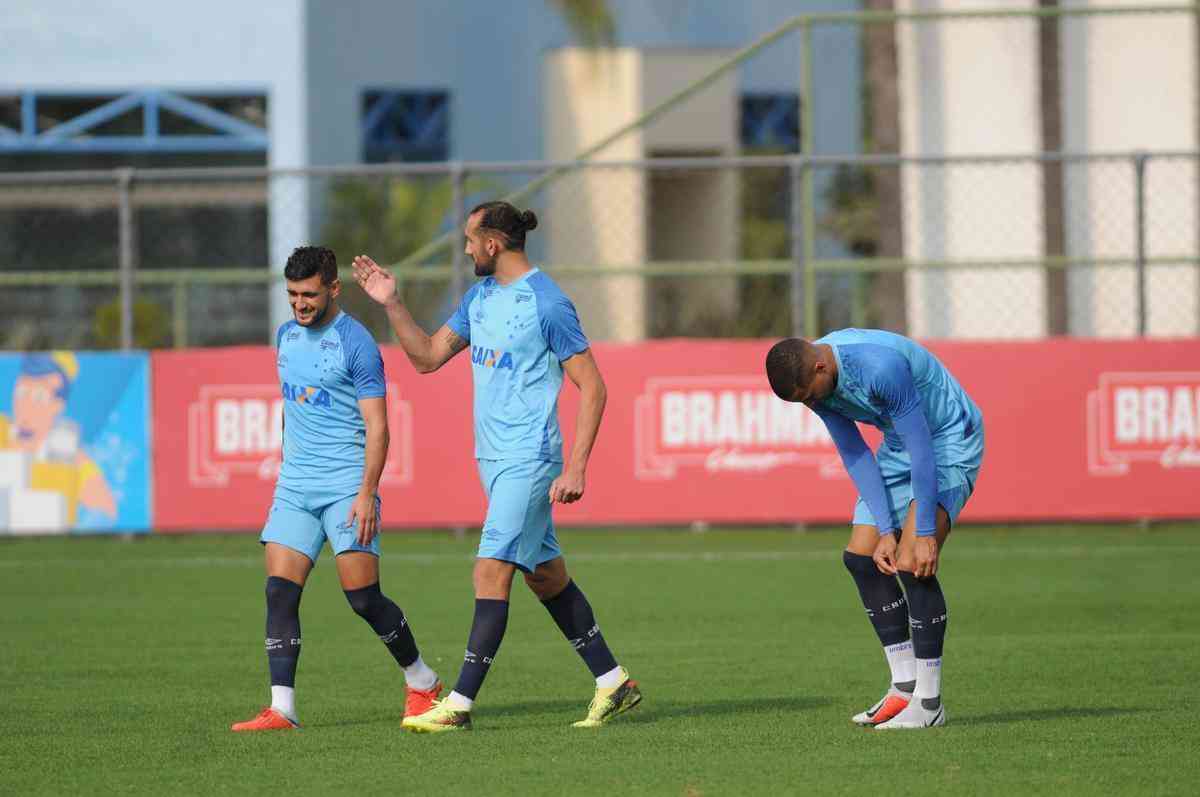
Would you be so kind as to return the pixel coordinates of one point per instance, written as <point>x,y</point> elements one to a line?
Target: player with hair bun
<point>524,335</point>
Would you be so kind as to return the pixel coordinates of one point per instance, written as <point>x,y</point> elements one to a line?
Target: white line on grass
<point>992,552</point>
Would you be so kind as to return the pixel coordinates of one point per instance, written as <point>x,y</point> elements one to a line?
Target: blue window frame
<point>771,121</point>
<point>405,125</point>
<point>143,121</point>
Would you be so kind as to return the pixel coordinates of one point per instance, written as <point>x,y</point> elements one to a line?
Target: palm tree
<point>590,21</point>
<point>887,302</point>
<point>1053,219</point>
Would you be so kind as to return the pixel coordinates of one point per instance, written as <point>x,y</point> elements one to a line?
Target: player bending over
<point>524,334</point>
<point>921,476</point>
<point>335,440</point>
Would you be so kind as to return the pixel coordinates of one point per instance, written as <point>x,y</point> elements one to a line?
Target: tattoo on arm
<point>456,343</point>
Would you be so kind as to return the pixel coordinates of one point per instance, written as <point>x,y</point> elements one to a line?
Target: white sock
<point>902,662</point>
<point>283,700</point>
<point>459,702</point>
<point>929,678</point>
<point>419,675</point>
<point>611,679</point>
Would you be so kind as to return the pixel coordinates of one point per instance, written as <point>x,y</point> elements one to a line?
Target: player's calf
<point>573,615</point>
<point>388,621</point>
<point>888,610</point>
<point>928,617</point>
<point>283,642</point>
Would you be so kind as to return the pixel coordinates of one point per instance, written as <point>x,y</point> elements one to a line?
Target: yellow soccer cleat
<point>438,719</point>
<point>608,703</point>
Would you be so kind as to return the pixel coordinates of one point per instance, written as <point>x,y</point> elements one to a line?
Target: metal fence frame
<point>803,267</point>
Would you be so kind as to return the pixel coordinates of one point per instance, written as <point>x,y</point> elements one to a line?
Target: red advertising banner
<point>1075,430</point>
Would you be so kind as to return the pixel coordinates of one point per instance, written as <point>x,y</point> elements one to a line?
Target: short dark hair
<point>309,260</point>
<point>789,366</point>
<point>506,223</point>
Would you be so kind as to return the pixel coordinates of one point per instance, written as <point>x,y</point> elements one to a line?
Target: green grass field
<point>1072,667</point>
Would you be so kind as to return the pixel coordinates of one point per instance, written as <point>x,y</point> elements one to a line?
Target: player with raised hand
<point>335,441</point>
<point>911,491</point>
<point>524,335</point>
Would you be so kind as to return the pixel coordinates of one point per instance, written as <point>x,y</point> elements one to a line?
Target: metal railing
<point>1130,213</point>
<point>986,245</point>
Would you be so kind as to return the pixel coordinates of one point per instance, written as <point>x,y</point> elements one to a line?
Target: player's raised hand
<point>364,519</point>
<point>925,557</point>
<point>567,488</point>
<point>885,554</point>
<point>376,281</point>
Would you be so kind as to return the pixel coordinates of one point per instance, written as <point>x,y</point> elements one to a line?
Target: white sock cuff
<point>419,675</point>
<point>460,702</point>
<point>611,679</point>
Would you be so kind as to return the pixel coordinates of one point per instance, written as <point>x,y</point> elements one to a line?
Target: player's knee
<point>365,602</point>
<point>859,564</point>
<point>282,594</point>
<point>906,563</point>
<point>545,586</point>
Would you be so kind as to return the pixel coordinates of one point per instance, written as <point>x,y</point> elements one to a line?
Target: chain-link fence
<point>1092,237</point>
<point>740,247</point>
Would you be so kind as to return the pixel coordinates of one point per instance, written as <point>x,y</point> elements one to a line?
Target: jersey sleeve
<point>460,320</point>
<point>861,465</point>
<point>560,327</point>
<point>279,333</point>
<point>364,363</point>
<point>891,385</point>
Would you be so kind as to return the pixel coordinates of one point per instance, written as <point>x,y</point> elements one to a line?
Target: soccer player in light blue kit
<point>335,441</point>
<point>524,335</point>
<point>911,491</point>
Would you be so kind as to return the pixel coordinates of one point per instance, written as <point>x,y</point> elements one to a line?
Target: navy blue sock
<point>882,598</point>
<point>387,620</point>
<point>573,614</point>
<point>283,630</point>
<point>927,613</point>
<point>491,618</point>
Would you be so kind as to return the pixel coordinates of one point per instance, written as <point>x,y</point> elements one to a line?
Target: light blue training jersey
<point>520,334</point>
<point>323,373</point>
<point>896,385</point>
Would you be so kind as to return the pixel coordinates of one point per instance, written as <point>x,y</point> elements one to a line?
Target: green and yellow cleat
<point>439,719</point>
<point>608,703</point>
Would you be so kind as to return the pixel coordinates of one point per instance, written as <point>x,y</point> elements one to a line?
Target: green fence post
<point>807,186</point>
<point>179,309</point>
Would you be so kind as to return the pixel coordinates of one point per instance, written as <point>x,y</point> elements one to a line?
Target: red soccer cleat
<point>267,720</point>
<point>418,701</point>
<point>892,704</point>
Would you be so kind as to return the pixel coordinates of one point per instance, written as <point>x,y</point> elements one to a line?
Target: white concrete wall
<point>597,216</point>
<point>603,216</point>
<point>970,87</point>
<point>1130,84</point>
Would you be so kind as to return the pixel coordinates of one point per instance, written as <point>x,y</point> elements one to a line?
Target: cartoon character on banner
<point>45,475</point>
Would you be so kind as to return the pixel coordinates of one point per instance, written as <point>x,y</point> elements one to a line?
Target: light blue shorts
<point>518,528</point>
<point>955,485</point>
<point>303,523</point>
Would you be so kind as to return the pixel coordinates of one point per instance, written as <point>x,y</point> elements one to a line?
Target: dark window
<point>770,122</point>
<point>405,126</point>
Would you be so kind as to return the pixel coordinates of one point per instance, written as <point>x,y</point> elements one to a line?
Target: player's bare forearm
<point>416,344</point>
<point>587,424</point>
<point>376,455</point>
<point>427,353</point>
<point>374,413</point>
<point>593,395</point>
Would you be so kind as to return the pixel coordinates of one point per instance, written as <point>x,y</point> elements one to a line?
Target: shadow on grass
<point>1043,714</point>
<point>649,710</point>
<point>673,709</point>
